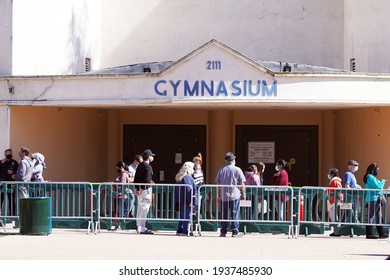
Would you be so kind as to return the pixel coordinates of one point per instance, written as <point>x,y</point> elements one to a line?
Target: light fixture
<point>147,69</point>
<point>11,90</point>
<point>286,68</point>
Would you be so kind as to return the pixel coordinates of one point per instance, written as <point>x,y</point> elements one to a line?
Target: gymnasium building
<point>88,83</point>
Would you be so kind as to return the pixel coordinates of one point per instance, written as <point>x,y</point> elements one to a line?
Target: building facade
<point>182,77</point>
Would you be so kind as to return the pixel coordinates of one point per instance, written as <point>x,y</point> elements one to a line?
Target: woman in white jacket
<point>38,167</point>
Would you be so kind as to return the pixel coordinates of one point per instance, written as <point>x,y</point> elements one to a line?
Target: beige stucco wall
<point>74,141</point>
<point>82,144</point>
<point>363,135</point>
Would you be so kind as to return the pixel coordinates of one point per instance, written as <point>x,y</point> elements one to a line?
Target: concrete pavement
<point>69,244</point>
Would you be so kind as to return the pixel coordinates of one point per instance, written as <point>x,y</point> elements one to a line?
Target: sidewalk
<point>65,244</point>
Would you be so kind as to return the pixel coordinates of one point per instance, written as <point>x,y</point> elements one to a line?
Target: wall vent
<point>87,64</point>
<point>352,65</point>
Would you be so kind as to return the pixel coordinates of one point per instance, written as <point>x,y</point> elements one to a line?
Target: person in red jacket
<point>280,178</point>
<point>335,182</point>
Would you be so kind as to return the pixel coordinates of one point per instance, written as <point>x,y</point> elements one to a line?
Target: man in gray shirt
<point>25,170</point>
<point>228,179</point>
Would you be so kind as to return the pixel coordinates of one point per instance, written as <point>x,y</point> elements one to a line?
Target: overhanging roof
<point>212,76</point>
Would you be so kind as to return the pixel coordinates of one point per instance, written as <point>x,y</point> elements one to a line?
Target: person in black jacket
<point>8,167</point>
<point>144,174</point>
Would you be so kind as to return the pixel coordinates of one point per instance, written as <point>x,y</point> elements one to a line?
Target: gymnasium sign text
<point>203,88</point>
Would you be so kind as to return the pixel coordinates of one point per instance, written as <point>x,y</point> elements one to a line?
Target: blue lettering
<point>222,89</point>
<point>235,85</point>
<point>189,91</point>
<point>210,89</point>
<point>156,90</point>
<point>236,88</point>
<point>174,86</point>
<point>257,88</point>
<point>269,92</point>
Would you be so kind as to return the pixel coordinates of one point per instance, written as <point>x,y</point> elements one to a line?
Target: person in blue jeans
<point>229,180</point>
<point>185,196</point>
<point>375,200</point>
<point>350,182</point>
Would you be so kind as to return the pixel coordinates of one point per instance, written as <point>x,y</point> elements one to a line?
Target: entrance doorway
<point>172,144</point>
<point>296,144</point>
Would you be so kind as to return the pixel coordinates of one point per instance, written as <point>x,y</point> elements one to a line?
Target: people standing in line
<point>25,169</point>
<point>252,178</point>
<point>198,173</point>
<point>8,167</point>
<point>39,166</point>
<point>350,182</point>
<point>144,174</point>
<point>132,168</point>
<point>229,179</point>
<point>185,196</point>
<point>375,200</point>
<point>121,197</point>
<point>280,178</point>
<point>261,169</point>
<point>335,182</point>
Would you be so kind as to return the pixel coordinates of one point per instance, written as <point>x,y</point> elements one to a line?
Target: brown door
<point>172,144</point>
<point>296,144</point>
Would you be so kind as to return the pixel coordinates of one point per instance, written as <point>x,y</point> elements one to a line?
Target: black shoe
<point>383,237</point>
<point>147,232</point>
<point>334,235</point>
<point>371,237</point>
<point>222,235</point>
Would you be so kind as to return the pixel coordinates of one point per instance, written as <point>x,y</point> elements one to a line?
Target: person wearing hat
<point>8,167</point>
<point>349,182</point>
<point>144,174</point>
<point>198,173</point>
<point>349,179</point>
<point>228,179</point>
<point>25,169</point>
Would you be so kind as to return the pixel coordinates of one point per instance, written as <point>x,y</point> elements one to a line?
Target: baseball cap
<point>147,153</point>
<point>230,156</point>
<point>353,162</point>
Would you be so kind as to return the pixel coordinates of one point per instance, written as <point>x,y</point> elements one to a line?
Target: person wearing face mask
<point>349,179</point>
<point>349,182</point>
<point>8,167</point>
<point>230,179</point>
<point>375,200</point>
<point>280,178</point>
<point>185,196</point>
<point>335,182</point>
<point>122,196</point>
<point>144,174</point>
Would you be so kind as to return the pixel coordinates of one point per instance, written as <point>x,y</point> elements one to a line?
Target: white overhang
<point>212,76</point>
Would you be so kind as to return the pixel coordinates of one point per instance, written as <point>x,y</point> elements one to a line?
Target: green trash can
<point>35,215</point>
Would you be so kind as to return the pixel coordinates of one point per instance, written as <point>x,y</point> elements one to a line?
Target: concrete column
<point>327,146</point>
<point>114,144</point>
<point>220,141</point>
<point>5,129</point>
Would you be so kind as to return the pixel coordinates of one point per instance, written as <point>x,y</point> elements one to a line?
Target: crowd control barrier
<point>72,203</point>
<point>347,211</point>
<point>120,203</point>
<point>264,209</point>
